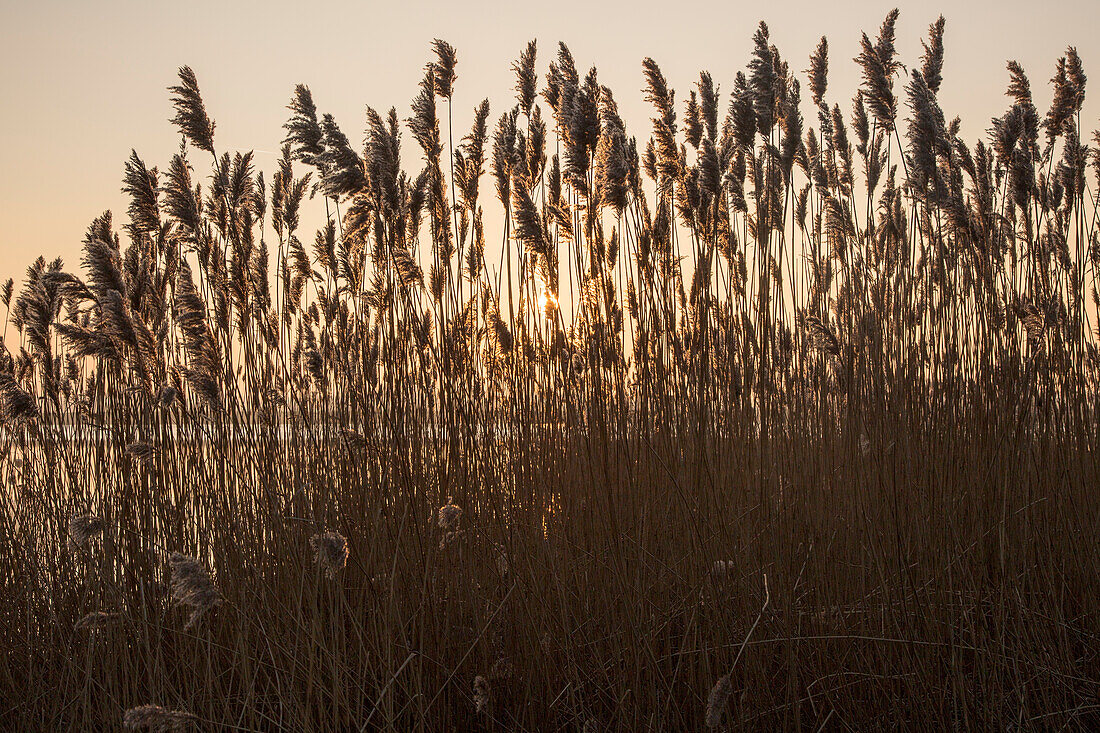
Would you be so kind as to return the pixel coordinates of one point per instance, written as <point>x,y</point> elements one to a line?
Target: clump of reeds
<point>668,351</point>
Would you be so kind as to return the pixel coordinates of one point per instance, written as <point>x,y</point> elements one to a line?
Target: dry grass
<point>752,425</point>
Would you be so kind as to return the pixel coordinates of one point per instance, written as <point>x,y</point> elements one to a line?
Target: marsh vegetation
<point>746,420</point>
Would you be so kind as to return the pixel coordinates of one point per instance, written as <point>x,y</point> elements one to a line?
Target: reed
<point>848,358</point>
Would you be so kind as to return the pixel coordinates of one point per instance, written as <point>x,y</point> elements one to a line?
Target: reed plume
<point>304,135</point>
<point>157,719</point>
<point>83,528</point>
<point>483,700</point>
<point>879,67</point>
<point>191,586</point>
<point>191,117</point>
<point>98,620</point>
<point>330,552</point>
<point>718,701</point>
<point>16,404</point>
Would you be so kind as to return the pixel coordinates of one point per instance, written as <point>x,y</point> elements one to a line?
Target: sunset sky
<point>83,83</point>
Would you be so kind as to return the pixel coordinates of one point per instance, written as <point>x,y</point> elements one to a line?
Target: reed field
<point>745,421</point>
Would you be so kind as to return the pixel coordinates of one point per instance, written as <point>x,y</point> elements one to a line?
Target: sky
<point>83,83</point>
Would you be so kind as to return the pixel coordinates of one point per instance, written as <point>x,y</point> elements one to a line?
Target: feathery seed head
<point>449,515</point>
<point>444,68</point>
<point>83,528</point>
<point>157,719</point>
<point>819,71</point>
<point>482,695</point>
<point>191,586</point>
<point>142,452</point>
<point>330,552</point>
<point>191,115</point>
<point>447,519</point>
<point>717,701</point>
<point>98,620</point>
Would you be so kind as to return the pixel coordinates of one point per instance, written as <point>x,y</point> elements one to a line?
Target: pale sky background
<point>84,82</point>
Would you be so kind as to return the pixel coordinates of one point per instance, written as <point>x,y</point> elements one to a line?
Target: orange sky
<point>84,82</point>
